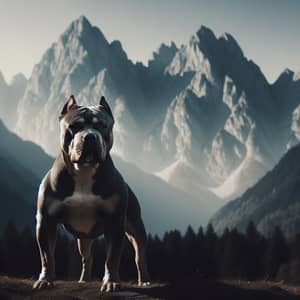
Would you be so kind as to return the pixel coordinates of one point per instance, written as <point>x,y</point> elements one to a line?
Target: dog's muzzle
<point>88,148</point>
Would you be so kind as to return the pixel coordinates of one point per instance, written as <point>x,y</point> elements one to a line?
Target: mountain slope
<point>273,201</point>
<point>18,189</point>
<point>26,154</point>
<point>10,94</point>
<point>20,176</point>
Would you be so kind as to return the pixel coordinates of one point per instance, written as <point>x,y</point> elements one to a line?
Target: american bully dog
<point>85,192</point>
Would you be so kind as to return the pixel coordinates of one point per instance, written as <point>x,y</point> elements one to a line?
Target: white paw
<point>144,283</point>
<point>111,286</point>
<point>42,284</point>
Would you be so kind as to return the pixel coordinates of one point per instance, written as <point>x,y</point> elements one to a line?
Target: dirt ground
<point>13,288</point>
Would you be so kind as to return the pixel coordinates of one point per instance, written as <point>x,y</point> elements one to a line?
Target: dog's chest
<point>82,211</point>
<point>83,208</point>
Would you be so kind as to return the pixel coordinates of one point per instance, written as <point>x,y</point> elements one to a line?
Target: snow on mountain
<point>286,91</point>
<point>296,123</point>
<point>295,128</point>
<point>227,153</point>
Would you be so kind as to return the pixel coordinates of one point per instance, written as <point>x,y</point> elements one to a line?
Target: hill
<point>272,201</point>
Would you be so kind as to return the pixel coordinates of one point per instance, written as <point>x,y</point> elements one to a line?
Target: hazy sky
<point>267,30</point>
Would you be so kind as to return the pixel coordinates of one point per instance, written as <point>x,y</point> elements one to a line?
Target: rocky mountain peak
<point>206,35</point>
<point>284,77</point>
<point>116,47</point>
<point>163,56</point>
<point>231,45</point>
<point>78,26</point>
<point>19,80</point>
<point>205,40</point>
<point>81,32</point>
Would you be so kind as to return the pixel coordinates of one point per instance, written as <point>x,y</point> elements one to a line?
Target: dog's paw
<point>42,284</point>
<point>111,286</point>
<point>144,283</point>
<point>82,281</point>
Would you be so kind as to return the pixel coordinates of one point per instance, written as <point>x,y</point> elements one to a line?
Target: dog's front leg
<point>114,238</point>
<point>46,239</point>
<point>85,249</point>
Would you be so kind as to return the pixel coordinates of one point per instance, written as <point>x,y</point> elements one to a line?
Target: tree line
<point>203,254</point>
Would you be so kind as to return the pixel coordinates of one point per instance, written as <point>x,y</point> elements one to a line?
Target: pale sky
<point>267,30</point>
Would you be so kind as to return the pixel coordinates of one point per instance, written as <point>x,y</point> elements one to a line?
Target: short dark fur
<point>122,218</point>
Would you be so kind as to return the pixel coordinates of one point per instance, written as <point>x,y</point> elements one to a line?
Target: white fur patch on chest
<point>82,211</point>
<point>83,206</point>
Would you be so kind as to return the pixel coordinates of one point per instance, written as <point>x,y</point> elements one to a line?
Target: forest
<point>194,254</point>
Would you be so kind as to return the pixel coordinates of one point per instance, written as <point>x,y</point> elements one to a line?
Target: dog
<point>85,192</point>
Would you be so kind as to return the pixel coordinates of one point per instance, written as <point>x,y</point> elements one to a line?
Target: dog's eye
<point>76,127</point>
<point>100,125</point>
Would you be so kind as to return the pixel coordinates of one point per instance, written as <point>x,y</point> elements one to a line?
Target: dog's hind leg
<point>136,234</point>
<point>85,250</point>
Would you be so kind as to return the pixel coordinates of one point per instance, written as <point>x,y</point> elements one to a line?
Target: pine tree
<point>254,251</point>
<point>173,263</point>
<point>234,258</point>
<point>211,243</point>
<point>277,253</point>
<point>30,257</point>
<point>11,248</point>
<point>155,255</point>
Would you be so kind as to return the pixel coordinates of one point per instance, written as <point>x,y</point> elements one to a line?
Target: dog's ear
<point>106,106</point>
<point>70,104</point>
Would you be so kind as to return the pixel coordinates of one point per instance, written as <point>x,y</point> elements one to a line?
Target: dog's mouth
<point>88,160</point>
<point>88,157</point>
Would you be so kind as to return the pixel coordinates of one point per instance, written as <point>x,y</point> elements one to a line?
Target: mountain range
<point>201,116</point>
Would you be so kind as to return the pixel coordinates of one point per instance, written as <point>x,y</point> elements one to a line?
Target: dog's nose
<point>90,138</point>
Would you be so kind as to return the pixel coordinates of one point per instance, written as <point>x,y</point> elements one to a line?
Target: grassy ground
<point>13,288</point>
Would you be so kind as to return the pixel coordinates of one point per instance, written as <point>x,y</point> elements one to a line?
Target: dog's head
<point>86,132</point>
